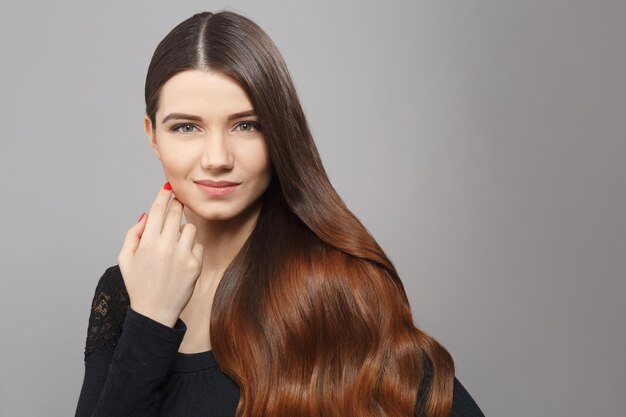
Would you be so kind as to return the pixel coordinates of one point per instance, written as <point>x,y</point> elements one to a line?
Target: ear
<point>151,133</point>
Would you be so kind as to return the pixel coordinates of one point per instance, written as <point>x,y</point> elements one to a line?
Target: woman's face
<point>199,135</point>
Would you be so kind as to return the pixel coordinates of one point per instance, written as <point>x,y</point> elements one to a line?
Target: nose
<point>216,153</point>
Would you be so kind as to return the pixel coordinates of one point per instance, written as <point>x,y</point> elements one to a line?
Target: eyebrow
<point>199,119</point>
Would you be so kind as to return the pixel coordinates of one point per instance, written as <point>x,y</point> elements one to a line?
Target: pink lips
<point>216,183</point>
<point>216,188</point>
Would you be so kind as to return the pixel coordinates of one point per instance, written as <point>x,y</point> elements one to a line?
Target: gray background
<point>481,142</point>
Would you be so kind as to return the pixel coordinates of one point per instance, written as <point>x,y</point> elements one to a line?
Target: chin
<point>226,210</point>
<point>224,213</point>
<point>219,215</point>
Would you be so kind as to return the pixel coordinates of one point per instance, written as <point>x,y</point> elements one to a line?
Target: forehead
<point>204,93</point>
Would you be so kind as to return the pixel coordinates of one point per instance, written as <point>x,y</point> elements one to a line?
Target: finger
<point>141,225</point>
<point>157,212</point>
<point>173,218</point>
<point>187,237</point>
<point>133,237</point>
<point>198,251</point>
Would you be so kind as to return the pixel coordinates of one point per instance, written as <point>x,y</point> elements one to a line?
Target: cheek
<point>258,161</point>
<point>175,160</point>
<point>172,166</point>
<point>264,168</point>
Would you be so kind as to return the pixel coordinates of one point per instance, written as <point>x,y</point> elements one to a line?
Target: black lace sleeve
<point>108,310</point>
<point>127,355</point>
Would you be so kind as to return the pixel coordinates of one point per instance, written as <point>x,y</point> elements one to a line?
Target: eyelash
<point>256,126</point>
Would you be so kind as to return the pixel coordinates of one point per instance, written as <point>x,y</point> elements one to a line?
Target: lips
<point>212,183</point>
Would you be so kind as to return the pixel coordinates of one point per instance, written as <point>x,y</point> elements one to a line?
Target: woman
<point>272,299</point>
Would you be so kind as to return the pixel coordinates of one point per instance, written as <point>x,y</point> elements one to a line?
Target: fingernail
<point>142,215</point>
<point>167,186</point>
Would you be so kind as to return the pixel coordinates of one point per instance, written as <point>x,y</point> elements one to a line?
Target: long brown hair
<point>311,317</point>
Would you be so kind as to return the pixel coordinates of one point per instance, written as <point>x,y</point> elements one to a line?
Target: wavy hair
<point>312,317</point>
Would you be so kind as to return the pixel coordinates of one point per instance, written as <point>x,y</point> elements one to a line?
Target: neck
<point>222,240</point>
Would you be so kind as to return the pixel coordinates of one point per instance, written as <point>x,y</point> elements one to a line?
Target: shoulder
<point>108,310</point>
<point>462,402</point>
<point>111,283</point>
<point>110,297</point>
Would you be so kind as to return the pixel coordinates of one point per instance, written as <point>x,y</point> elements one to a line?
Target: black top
<point>133,367</point>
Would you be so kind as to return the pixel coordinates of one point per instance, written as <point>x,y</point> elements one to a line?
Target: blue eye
<point>175,127</point>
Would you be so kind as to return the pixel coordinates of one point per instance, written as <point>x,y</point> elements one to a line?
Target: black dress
<point>133,367</point>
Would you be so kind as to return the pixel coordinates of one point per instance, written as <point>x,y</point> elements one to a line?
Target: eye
<point>176,127</point>
<point>248,124</point>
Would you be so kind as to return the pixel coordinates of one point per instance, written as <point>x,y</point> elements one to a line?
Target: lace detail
<point>108,311</point>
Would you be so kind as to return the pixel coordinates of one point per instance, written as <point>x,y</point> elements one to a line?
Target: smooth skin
<point>161,273</point>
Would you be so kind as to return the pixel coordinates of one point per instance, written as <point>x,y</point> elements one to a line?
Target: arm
<point>126,360</point>
<point>96,370</point>
<point>103,333</point>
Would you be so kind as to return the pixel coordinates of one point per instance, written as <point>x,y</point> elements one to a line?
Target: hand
<point>159,268</point>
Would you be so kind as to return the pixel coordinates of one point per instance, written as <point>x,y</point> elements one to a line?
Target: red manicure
<point>167,186</point>
<point>142,216</point>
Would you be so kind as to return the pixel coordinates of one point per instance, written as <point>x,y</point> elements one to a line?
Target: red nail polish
<point>142,216</point>
<point>167,186</point>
